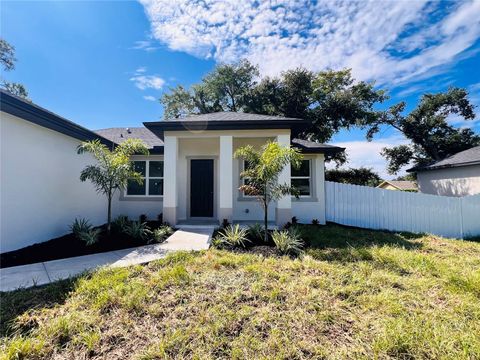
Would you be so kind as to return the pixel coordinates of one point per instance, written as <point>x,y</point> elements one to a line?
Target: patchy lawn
<point>355,294</point>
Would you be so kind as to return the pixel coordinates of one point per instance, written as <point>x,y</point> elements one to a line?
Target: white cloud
<point>367,154</point>
<point>144,45</point>
<point>392,42</point>
<point>143,81</point>
<point>148,82</point>
<point>150,98</point>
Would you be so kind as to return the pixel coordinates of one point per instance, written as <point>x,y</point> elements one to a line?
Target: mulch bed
<point>69,246</point>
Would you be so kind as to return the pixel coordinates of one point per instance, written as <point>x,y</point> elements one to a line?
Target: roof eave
<point>36,115</point>
<point>429,168</point>
<point>159,127</point>
<point>326,150</point>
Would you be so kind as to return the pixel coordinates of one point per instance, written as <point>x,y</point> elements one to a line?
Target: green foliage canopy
<point>357,176</point>
<point>432,137</point>
<point>331,100</point>
<point>7,60</point>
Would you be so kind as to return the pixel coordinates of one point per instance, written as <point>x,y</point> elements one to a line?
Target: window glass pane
<point>246,165</point>
<point>156,169</point>
<point>303,170</point>
<point>134,188</point>
<point>155,187</point>
<point>140,167</point>
<point>302,185</point>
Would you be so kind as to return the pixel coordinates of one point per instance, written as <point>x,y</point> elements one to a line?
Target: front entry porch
<point>202,178</point>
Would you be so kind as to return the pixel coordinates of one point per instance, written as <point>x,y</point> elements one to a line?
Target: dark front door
<point>201,188</point>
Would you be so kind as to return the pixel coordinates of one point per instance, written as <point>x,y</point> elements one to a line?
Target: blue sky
<point>101,64</point>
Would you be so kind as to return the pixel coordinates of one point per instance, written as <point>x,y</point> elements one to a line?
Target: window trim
<point>146,180</point>
<point>309,178</point>
<point>241,181</point>
<point>312,197</point>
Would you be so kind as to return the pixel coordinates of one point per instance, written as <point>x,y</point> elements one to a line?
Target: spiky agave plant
<point>234,236</point>
<point>288,241</point>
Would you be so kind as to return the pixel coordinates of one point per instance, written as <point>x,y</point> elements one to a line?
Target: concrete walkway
<point>46,272</point>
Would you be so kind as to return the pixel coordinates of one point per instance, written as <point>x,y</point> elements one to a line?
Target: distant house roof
<point>462,158</point>
<point>120,134</point>
<point>403,185</point>
<point>227,121</point>
<point>27,110</point>
<point>155,145</point>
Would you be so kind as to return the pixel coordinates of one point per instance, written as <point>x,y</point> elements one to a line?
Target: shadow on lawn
<point>346,244</point>
<point>18,302</point>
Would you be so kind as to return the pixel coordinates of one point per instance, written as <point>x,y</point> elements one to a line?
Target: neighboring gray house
<point>457,175</point>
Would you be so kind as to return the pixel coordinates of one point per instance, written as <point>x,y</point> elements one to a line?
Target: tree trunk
<point>109,216</point>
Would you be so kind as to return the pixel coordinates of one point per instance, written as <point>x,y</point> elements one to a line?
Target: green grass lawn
<point>354,294</point>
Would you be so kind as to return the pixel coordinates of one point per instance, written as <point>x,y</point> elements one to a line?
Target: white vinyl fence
<point>373,208</point>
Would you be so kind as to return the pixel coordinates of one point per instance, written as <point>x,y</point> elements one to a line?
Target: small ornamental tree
<point>113,169</point>
<point>262,169</point>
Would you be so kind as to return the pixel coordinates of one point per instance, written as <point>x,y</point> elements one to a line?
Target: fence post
<point>461,217</point>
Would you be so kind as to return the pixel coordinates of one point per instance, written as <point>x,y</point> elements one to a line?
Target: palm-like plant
<point>262,172</point>
<point>113,169</point>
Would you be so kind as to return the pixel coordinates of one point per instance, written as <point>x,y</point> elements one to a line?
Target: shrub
<point>138,230</point>
<point>90,237</point>
<point>160,234</point>
<point>315,222</point>
<point>143,218</point>
<point>288,241</point>
<point>160,218</point>
<point>120,223</point>
<point>80,226</point>
<point>233,236</point>
<point>256,232</point>
<point>294,220</point>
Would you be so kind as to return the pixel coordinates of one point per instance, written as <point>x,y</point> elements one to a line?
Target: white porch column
<point>283,212</point>
<point>319,167</point>
<point>225,210</point>
<point>170,187</point>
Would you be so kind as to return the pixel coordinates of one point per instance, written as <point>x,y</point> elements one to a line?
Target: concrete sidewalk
<point>46,272</point>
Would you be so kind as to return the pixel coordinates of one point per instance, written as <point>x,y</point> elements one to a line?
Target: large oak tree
<point>432,137</point>
<point>331,100</point>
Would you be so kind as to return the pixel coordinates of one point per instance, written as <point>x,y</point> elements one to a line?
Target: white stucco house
<point>457,175</point>
<point>190,174</point>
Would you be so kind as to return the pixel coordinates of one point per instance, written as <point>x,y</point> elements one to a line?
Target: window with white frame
<point>243,180</point>
<point>301,178</point>
<point>152,175</point>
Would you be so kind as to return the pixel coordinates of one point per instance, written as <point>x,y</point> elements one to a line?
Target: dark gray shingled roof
<point>463,158</point>
<point>118,135</point>
<point>231,116</point>
<point>227,121</point>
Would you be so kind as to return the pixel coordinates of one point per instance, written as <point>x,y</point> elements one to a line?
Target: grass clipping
<point>377,300</point>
